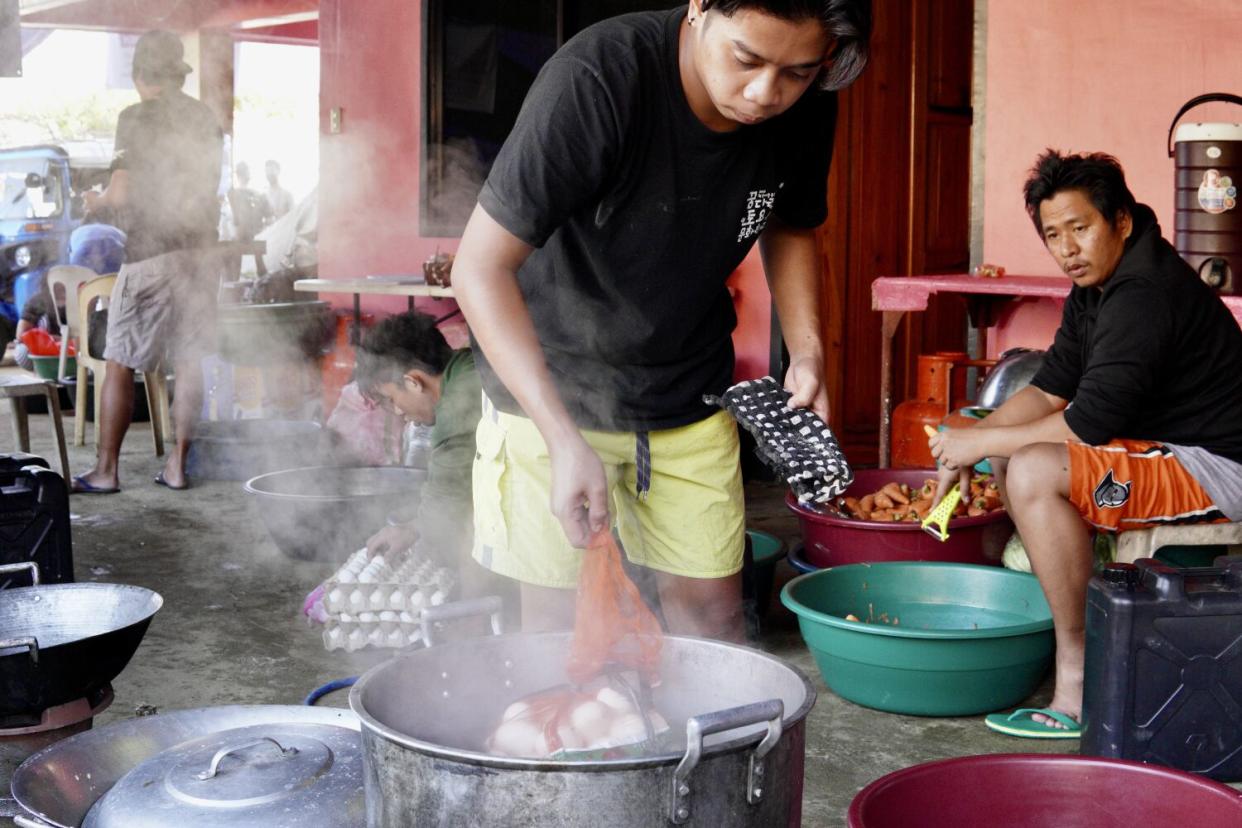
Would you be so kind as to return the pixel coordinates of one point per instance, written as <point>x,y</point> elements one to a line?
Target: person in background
<point>248,207</point>
<point>163,189</point>
<point>405,364</point>
<point>1131,422</point>
<point>279,200</point>
<point>651,153</point>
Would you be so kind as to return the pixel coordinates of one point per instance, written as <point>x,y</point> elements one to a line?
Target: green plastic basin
<point>946,639</point>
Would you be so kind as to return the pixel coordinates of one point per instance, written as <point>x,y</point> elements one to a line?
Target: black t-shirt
<point>1154,355</point>
<point>171,148</point>
<point>639,213</point>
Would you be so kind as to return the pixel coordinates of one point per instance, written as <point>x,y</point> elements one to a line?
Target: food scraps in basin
<point>872,618</point>
<point>899,502</point>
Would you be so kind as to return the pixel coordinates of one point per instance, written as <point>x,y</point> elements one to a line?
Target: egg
<point>593,720</point>
<point>518,737</point>
<point>515,710</point>
<point>615,700</point>
<point>658,723</point>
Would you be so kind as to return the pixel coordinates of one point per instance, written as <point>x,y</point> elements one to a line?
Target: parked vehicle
<point>40,205</point>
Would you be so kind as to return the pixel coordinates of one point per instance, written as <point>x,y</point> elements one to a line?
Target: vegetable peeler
<point>937,521</point>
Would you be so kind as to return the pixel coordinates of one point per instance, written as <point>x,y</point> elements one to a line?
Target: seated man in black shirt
<point>1132,421</point>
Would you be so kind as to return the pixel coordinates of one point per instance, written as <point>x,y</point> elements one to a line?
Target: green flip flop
<point>1019,723</point>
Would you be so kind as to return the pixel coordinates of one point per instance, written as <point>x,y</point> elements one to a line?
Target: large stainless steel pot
<point>59,784</point>
<point>326,512</point>
<point>63,642</point>
<point>426,714</point>
<point>269,334</point>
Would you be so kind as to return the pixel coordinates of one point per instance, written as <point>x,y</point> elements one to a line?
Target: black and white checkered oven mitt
<point>796,443</point>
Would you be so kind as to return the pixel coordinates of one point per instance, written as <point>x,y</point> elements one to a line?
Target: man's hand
<point>93,200</point>
<point>946,477</point>
<point>579,490</point>
<point>392,538</point>
<point>805,381</point>
<point>956,450</point>
<point>958,447</point>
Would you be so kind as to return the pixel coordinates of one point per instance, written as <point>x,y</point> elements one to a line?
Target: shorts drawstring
<point>642,459</point>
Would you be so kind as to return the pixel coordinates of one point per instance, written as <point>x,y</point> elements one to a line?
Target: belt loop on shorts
<point>642,459</point>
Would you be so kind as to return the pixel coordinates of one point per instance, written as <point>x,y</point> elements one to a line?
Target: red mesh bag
<point>613,627</point>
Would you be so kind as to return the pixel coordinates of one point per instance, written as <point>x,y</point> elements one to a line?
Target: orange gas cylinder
<point>338,365</point>
<point>938,385</point>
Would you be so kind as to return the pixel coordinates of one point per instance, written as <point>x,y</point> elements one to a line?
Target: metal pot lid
<point>271,775</point>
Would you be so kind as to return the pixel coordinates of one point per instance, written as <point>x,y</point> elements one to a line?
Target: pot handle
<point>211,772</point>
<point>770,711</point>
<point>28,641</point>
<point>489,605</point>
<point>22,567</point>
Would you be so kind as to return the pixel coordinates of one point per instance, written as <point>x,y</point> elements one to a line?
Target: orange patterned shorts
<point>1135,484</point>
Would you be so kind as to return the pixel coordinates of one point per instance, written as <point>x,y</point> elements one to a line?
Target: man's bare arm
<point>485,282</point>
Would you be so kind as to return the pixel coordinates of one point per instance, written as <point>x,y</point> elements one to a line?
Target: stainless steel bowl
<point>1013,372</point>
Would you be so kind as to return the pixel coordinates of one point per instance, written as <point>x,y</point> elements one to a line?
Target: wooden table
<point>373,287</point>
<point>894,296</point>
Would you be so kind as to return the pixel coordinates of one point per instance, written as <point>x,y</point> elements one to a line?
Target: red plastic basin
<point>1043,791</point>
<point>832,541</point>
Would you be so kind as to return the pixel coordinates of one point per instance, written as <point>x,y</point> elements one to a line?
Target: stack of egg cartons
<point>377,601</point>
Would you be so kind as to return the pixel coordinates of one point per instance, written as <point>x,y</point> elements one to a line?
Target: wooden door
<point>898,203</point>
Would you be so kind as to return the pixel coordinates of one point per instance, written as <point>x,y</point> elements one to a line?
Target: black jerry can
<point>1163,672</point>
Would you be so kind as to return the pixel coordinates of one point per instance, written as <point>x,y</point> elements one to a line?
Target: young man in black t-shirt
<point>651,153</point>
<point>1131,422</point>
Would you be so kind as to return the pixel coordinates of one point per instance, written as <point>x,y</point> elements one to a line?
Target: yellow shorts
<point>690,522</point>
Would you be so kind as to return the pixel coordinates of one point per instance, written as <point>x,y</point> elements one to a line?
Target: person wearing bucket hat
<point>1132,420</point>
<point>159,57</point>
<point>165,175</point>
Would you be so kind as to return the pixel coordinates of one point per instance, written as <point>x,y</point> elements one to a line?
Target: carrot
<point>976,489</point>
<point>867,503</point>
<point>851,505</point>
<point>991,501</point>
<point>882,515</point>
<point>929,488</point>
<point>922,507</point>
<point>894,493</point>
<point>883,501</point>
<point>975,511</point>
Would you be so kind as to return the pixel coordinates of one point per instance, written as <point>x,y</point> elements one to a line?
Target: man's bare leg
<point>117,410</point>
<point>186,409</point>
<point>547,609</point>
<point>703,607</point>
<point>1058,542</point>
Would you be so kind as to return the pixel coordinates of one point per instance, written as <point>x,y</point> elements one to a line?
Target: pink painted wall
<point>1094,76</point>
<point>371,68</point>
<point>1086,76</point>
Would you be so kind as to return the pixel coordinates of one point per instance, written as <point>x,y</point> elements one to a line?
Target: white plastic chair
<point>69,278</point>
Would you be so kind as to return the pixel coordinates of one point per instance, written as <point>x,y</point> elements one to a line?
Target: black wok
<point>62,642</point>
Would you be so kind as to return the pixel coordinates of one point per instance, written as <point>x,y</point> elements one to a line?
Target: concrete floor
<point>231,631</point>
